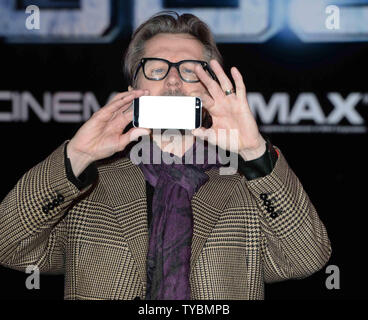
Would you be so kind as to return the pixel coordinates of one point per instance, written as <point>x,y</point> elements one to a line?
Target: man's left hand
<point>229,112</point>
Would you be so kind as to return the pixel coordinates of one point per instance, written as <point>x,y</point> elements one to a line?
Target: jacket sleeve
<point>32,231</point>
<point>294,241</point>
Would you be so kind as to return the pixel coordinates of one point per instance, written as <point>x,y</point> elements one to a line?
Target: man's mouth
<point>176,92</point>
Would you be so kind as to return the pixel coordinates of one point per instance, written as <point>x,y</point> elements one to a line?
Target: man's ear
<point>130,88</point>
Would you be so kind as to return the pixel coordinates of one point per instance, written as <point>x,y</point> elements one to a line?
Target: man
<point>118,230</point>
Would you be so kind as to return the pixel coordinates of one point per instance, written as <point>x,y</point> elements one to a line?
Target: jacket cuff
<point>85,178</point>
<point>261,166</point>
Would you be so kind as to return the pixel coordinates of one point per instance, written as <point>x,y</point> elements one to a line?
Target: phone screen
<point>167,112</point>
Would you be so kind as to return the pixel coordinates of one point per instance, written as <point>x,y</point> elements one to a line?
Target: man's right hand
<point>102,135</point>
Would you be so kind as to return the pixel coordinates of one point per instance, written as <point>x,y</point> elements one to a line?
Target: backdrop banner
<point>305,67</point>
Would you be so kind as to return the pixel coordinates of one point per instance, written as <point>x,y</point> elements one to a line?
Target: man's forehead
<point>178,46</point>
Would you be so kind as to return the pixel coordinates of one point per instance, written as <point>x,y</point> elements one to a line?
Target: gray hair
<point>168,22</point>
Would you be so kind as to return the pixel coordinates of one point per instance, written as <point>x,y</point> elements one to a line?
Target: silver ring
<point>229,91</point>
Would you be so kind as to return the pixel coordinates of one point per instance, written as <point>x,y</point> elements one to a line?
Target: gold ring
<point>229,91</point>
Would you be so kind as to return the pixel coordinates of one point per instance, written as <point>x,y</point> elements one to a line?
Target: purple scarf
<point>171,230</point>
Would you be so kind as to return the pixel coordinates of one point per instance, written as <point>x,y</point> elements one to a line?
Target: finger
<point>132,135</point>
<point>130,108</point>
<point>137,95</point>
<point>221,76</point>
<point>128,117</point>
<point>124,103</point>
<point>207,101</point>
<point>109,110</point>
<point>239,83</point>
<point>117,125</point>
<point>115,118</point>
<point>121,95</point>
<point>212,86</point>
<point>205,134</point>
<point>124,116</point>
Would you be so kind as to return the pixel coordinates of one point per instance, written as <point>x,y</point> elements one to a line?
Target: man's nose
<point>173,78</point>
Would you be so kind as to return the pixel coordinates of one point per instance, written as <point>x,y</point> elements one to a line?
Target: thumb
<point>205,134</point>
<point>199,132</point>
<point>135,133</point>
<point>131,135</point>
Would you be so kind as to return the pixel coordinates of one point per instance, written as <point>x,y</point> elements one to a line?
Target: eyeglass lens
<point>157,70</point>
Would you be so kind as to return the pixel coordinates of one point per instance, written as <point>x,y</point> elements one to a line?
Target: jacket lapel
<point>207,205</point>
<point>131,212</point>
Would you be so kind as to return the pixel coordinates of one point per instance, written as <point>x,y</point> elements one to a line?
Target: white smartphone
<point>167,112</point>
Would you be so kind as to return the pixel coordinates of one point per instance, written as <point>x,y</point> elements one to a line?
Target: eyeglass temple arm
<point>136,72</point>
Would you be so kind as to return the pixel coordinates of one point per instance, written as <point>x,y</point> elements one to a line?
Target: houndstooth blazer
<point>245,233</point>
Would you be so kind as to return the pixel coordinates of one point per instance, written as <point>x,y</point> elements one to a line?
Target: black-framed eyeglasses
<point>157,69</point>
